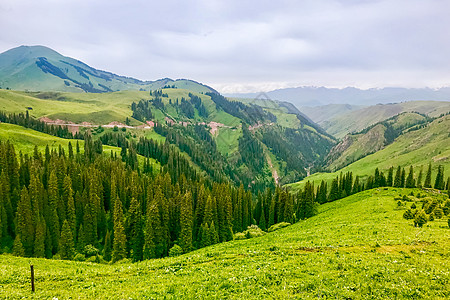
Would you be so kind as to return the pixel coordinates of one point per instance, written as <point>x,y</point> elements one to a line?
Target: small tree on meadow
<point>420,219</point>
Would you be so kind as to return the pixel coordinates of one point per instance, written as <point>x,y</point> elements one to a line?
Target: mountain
<point>372,139</point>
<point>418,148</point>
<point>338,120</point>
<point>38,68</point>
<point>222,139</point>
<point>317,96</point>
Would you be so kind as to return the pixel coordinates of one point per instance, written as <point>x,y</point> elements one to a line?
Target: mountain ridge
<point>39,68</point>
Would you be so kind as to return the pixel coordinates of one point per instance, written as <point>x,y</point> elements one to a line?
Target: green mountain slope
<point>371,139</point>
<point>194,122</point>
<point>25,140</point>
<point>338,121</point>
<point>358,247</point>
<point>38,68</point>
<point>416,148</point>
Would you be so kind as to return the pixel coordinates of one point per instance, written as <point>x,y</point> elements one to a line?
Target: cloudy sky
<point>242,45</point>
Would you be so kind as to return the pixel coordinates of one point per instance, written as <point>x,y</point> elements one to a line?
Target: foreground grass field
<point>359,247</point>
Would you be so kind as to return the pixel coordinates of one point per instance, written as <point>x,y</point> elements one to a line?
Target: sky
<point>242,45</point>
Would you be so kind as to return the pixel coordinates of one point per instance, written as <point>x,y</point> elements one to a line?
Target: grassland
<point>358,247</point>
<point>25,140</point>
<point>416,148</point>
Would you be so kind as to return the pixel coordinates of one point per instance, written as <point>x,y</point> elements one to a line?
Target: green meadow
<point>358,247</point>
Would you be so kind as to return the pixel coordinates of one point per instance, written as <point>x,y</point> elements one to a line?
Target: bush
<point>413,206</point>
<point>420,219</point>
<point>79,257</point>
<point>408,214</point>
<point>251,232</point>
<point>448,222</point>
<point>278,226</point>
<point>405,198</point>
<point>175,251</point>
<point>90,250</point>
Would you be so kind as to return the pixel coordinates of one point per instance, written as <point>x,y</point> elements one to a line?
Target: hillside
<point>357,247</point>
<point>192,122</point>
<point>416,148</point>
<point>25,140</point>
<point>372,139</point>
<point>338,121</point>
<point>38,68</point>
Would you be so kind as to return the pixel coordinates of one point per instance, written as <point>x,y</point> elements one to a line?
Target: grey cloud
<point>244,44</point>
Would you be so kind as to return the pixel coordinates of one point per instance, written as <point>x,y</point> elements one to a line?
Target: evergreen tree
<point>334,191</point>
<point>186,223</point>
<point>390,177</point>
<point>52,211</point>
<point>213,236</point>
<point>66,244</point>
<point>403,178</point>
<point>25,228</point>
<point>18,249</point>
<point>410,182</point>
<point>107,249</point>
<point>427,183</point>
<point>398,178</point>
<point>439,182</point>
<point>150,234</point>
<point>70,203</point>
<point>120,240</point>
<point>134,230</point>
<point>419,178</point>
<point>39,240</point>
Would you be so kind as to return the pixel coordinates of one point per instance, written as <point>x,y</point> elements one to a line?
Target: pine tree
<point>427,183</point>
<point>410,183</point>
<point>288,208</point>
<point>66,244</point>
<point>150,235</point>
<point>403,178</point>
<point>186,223</point>
<point>70,204</point>
<point>120,240</point>
<point>135,235</point>
<point>18,249</point>
<point>439,182</point>
<point>390,177</point>
<point>419,178</point>
<point>107,249</point>
<point>39,240</point>
<point>25,226</point>
<point>398,178</point>
<point>52,211</point>
<point>334,191</point>
<point>213,236</point>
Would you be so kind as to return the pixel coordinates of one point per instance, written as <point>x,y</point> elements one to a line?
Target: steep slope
<point>321,114</point>
<point>355,248</point>
<point>371,139</point>
<point>416,148</point>
<point>38,68</point>
<point>340,124</point>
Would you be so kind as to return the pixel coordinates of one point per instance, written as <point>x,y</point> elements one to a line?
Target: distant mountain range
<point>38,68</point>
<point>316,96</point>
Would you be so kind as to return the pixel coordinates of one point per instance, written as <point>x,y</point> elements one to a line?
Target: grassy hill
<point>371,139</point>
<point>38,68</point>
<point>183,107</point>
<point>338,121</point>
<point>358,247</point>
<point>417,148</point>
<point>25,140</point>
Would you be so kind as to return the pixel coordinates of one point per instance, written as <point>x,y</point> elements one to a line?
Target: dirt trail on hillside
<point>274,171</point>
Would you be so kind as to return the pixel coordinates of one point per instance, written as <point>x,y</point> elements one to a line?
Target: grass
<point>417,148</point>
<point>25,140</point>
<point>358,247</point>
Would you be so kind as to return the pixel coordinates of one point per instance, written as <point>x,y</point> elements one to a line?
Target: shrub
<point>90,250</point>
<point>448,222</point>
<point>79,257</point>
<point>408,214</point>
<point>420,219</point>
<point>413,206</point>
<point>251,232</point>
<point>175,251</point>
<point>278,226</point>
